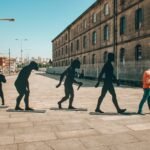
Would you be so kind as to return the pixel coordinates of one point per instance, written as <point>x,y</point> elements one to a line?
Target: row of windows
<point>106,32</point>
<point>138,54</point>
<point>84,24</point>
<point>122,53</point>
<point>85,42</point>
<point>139,17</point>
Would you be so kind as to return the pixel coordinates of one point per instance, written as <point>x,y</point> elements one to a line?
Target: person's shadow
<point>114,114</point>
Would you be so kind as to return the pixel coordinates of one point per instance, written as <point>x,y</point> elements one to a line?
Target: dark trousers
<point>2,96</point>
<point>69,92</point>
<point>22,92</point>
<point>146,97</point>
<point>108,87</point>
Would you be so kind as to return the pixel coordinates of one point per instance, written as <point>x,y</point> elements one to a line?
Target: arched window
<point>122,55</point>
<point>138,52</point>
<point>105,56</point>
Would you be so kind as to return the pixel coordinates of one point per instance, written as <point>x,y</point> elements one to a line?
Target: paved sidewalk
<point>70,130</point>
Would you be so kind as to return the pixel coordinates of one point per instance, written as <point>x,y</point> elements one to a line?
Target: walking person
<point>68,84</point>
<point>2,79</point>
<point>146,88</point>
<point>107,70</point>
<point>22,85</point>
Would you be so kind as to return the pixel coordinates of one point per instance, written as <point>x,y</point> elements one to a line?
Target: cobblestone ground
<point>70,130</point>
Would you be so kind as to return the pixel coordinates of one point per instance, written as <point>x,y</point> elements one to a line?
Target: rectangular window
<point>106,33</point>
<point>77,45</point>
<point>94,17</point>
<point>94,36</point>
<point>84,42</point>
<point>85,24</point>
<point>106,9</point>
<point>138,18</point>
<point>66,49</point>
<point>71,47</point>
<point>84,60</point>
<point>122,25</point>
<point>93,59</point>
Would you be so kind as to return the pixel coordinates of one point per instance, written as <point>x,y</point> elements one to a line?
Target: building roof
<point>87,10</point>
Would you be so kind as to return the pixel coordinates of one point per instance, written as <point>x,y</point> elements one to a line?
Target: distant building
<point>119,26</point>
<point>7,65</point>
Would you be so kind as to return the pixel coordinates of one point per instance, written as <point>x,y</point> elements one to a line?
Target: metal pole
<point>9,61</point>
<point>115,37</point>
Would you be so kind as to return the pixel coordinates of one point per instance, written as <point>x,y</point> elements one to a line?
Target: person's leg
<point>148,101</point>
<point>26,101</point>
<point>145,97</point>
<point>114,99</point>
<point>2,96</point>
<point>103,93</point>
<point>18,100</point>
<point>71,92</point>
<point>64,98</point>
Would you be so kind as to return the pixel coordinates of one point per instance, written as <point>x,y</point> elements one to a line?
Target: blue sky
<point>39,21</point>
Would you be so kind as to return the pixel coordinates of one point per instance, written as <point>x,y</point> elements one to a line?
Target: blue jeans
<point>146,97</point>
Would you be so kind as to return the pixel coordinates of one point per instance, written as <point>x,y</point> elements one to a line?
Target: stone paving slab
<point>73,130</point>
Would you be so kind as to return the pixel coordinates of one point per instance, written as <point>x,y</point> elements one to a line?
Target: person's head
<point>75,64</point>
<point>110,57</point>
<point>2,78</point>
<point>34,65</point>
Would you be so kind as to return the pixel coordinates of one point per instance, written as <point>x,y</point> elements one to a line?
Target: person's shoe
<point>18,108</point>
<point>71,107</point>
<point>99,111</point>
<point>59,105</point>
<point>28,108</point>
<point>140,113</point>
<point>120,111</point>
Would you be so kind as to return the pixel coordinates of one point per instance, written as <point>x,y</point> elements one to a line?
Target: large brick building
<point>119,26</point>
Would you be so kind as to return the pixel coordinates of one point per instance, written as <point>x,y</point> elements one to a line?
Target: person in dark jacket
<point>70,75</point>
<point>107,70</point>
<point>22,85</point>
<point>2,79</point>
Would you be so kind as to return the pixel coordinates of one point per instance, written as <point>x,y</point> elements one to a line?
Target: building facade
<point>7,65</point>
<point>118,26</point>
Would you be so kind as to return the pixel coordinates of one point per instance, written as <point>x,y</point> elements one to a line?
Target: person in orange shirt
<point>146,87</point>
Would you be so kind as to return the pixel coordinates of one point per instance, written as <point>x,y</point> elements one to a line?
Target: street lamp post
<point>9,61</point>
<point>21,40</point>
<point>7,19</point>
<point>11,20</point>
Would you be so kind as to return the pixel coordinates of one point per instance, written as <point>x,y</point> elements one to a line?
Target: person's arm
<point>79,84</point>
<point>61,78</point>
<point>100,76</point>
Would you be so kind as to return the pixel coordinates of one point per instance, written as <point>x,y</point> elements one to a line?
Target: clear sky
<point>39,21</point>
